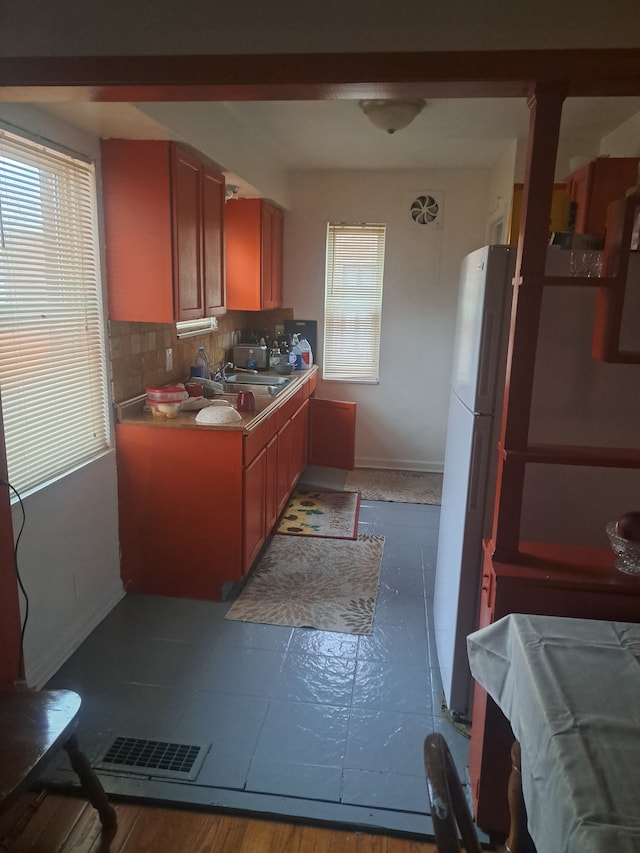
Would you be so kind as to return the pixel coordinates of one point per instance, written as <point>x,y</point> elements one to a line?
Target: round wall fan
<point>424,209</point>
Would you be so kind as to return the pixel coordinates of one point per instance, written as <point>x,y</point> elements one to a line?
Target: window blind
<point>353,302</point>
<point>53,377</point>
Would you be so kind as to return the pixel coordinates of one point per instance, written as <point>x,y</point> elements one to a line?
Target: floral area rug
<point>332,515</point>
<point>327,584</point>
<point>411,487</point>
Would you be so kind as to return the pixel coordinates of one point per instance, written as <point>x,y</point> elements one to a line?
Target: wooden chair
<point>34,725</point>
<point>450,811</point>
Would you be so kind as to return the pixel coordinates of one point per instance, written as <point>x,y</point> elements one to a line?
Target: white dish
<point>218,415</point>
<point>193,403</point>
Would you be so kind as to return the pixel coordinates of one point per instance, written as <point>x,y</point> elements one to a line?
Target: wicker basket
<point>627,552</point>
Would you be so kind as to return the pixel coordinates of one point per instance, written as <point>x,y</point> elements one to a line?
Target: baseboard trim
<point>41,671</point>
<point>400,465</point>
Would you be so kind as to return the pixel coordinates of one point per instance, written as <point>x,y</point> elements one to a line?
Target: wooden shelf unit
<point>621,218</point>
<point>575,454</point>
<point>515,451</point>
<point>531,577</point>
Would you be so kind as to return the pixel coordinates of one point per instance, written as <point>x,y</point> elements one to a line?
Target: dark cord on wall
<point>21,673</point>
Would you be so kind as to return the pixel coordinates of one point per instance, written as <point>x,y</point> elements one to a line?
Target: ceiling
<point>448,133</point>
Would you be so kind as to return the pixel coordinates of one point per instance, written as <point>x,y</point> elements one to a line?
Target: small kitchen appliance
<point>248,352</point>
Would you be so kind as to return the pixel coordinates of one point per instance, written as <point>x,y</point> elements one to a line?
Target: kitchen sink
<point>260,385</point>
<point>256,379</point>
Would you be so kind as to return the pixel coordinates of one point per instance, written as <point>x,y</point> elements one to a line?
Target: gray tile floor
<point>301,723</point>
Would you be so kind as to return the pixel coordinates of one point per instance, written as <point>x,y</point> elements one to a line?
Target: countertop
<point>132,411</point>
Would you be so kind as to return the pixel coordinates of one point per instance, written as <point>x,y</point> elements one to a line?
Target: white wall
<point>624,141</point>
<point>578,400</point>
<point>68,554</point>
<point>401,422</point>
<point>69,563</point>
<point>66,27</point>
<point>216,130</point>
<point>501,195</point>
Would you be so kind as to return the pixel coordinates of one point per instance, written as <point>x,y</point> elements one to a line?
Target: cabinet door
<point>187,235</point>
<point>579,192</point>
<point>299,443</point>
<point>138,229</point>
<point>271,238</point>
<point>594,186</point>
<point>266,259</point>
<point>332,433</point>
<point>242,234</point>
<point>167,479</point>
<point>254,509</point>
<point>612,178</point>
<point>283,486</point>
<point>271,481</point>
<point>163,211</point>
<point>253,248</point>
<point>559,216</point>
<point>212,243</point>
<point>277,228</point>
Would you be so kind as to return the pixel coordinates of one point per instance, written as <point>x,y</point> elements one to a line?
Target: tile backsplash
<point>137,350</point>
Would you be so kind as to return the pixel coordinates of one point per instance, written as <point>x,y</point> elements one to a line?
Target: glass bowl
<point>164,410</point>
<point>627,552</point>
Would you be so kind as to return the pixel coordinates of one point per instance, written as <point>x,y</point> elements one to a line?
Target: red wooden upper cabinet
<point>594,186</point>
<point>253,252</point>
<point>163,211</point>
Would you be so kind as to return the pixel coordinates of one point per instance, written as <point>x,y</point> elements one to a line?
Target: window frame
<point>353,294</point>
<point>53,356</point>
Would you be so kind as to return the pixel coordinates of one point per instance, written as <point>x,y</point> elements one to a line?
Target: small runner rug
<point>411,487</point>
<point>327,584</point>
<point>331,515</point>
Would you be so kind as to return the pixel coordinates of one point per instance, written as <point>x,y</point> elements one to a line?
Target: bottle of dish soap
<point>250,363</point>
<point>274,354</point>
<point>297,353</point>
<point>307,355</point>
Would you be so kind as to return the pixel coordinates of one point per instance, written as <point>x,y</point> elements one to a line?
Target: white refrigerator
<point>470,464</point>
<point>576,400</point>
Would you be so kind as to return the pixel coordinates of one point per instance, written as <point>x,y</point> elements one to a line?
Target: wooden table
<point>571,691</point>
<point>34,724</point>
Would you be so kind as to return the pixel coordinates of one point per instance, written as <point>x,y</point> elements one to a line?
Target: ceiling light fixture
<point>391,115</point>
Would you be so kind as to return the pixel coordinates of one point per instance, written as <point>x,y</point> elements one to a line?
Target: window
<point>353,302</point>
<point>53,376</point>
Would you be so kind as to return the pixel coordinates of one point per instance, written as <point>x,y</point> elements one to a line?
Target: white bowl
<point>218,415</point>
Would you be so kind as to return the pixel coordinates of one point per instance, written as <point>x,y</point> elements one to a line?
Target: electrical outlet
<point>168,359</point>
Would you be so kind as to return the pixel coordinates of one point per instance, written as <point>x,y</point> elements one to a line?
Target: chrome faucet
<point>221,372</point>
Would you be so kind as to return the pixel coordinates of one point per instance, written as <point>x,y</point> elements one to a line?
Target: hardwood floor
<point>65,824</point>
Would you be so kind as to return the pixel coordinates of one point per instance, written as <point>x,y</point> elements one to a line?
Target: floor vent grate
<point>154,758</point>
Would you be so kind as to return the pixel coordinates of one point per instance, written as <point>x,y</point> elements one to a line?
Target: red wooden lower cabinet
<point>332,434</point>
<point>299,447</point>
<point>550,580</point>
<point>254,509</point>
<point>180,508</point>
<point>196,505</point>
<point>271,484</point>
<point>283,480</point>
